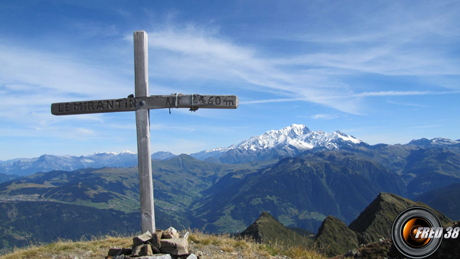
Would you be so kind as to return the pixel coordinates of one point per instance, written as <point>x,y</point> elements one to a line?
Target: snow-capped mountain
<point>435,142</point>
<point>289,141</point>
<point>298,137</point>
<point>214,153</point>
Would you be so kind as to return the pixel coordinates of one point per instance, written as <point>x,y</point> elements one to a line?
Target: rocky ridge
<point>372,228</point>
<point>266,229</point>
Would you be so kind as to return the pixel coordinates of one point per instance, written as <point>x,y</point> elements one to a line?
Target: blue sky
<point>383,71</point>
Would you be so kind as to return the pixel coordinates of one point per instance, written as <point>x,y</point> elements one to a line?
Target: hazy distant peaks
<point>424,142</point>
<point>115,153</point>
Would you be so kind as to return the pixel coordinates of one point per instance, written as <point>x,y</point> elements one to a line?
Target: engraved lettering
<point>110,104</point>
<point>100,105</point>
<point>202,100</point>
<point>218,101</point>
<point>67,107</point>
<point>229,102</point>
<point>60,107</point>
<point>77,106</point>
<point>118,103</point>
<point>90,106</point>
<point>132,102</point>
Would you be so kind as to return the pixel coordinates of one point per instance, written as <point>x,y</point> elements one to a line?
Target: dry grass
<point>97,248</point>
<point>224,246</point>
<point>204,245</point>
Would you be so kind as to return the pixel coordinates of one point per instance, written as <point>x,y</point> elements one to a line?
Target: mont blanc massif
<point>298,176</point>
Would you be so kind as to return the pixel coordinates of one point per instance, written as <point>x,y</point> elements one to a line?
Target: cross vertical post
<point>143,132</point>
<point>142,103</point>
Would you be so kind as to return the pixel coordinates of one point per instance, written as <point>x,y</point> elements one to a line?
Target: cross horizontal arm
<point>192,101</point>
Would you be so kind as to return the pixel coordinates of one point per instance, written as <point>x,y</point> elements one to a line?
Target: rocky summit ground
<point>203,245</point>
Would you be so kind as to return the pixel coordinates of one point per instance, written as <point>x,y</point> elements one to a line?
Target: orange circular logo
<point>417,232</point>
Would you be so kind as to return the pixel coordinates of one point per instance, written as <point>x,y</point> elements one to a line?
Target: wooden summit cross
<point>141,102</point>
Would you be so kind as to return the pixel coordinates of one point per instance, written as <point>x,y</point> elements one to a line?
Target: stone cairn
<point>159,245</point>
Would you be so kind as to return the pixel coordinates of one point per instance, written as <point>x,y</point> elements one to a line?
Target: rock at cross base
<point>157,256</point>
<point>119,251</point>
<point>170,233</point>
<point>175,246</point>
<point>142,250</point>
<point>186,235</point>
<point>155,241</point>
<point>155,249</point>
<point>146,250</point>
<point>142,239</point>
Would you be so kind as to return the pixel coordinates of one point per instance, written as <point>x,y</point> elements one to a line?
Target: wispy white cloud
<point>403,93</point>
<point>83,131</point>
<point>59,75</point>
<point>208,56</point>
<point>273,101</point>
<point>395,40</point>
<point>322,116</point>
<point>427,126</point>
<point>32,79</point>
<point>200,53</point>
<point>159,126</point>
<point>408,104</point>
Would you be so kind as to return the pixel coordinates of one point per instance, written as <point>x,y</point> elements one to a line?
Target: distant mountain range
<point>301,177</point>
<point>292,141</point>
<point>436,142</point>
<point>297,139</point>
<point>47,163</point>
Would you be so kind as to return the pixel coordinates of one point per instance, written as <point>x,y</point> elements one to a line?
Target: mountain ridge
<point>286,142</point>
<point>47,163</point>
<point>267,229</point>
<point>373,225</point>
<point>291,141</point>
<point>300,192</point>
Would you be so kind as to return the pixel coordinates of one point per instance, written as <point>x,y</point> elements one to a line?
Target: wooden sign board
<point>192,101</point>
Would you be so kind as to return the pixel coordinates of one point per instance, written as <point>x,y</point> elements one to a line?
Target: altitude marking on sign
<point>141,103</point>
